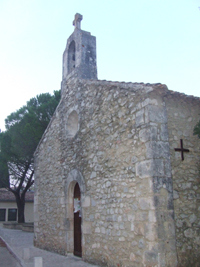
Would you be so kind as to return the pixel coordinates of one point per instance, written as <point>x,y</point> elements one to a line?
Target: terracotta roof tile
<point>6,195</point>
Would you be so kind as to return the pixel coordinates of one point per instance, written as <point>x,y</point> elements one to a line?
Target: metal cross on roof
<point>77,20</point>
<point>182,150</point>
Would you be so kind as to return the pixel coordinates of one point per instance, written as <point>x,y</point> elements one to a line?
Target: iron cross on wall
<point>182,150</point>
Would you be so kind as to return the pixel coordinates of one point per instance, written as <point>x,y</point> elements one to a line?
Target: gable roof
<point>7,196</point>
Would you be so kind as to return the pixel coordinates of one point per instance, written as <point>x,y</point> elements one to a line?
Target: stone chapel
<point>117,171</point>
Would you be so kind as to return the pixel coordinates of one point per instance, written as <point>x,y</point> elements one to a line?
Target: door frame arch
<point>73,177</point>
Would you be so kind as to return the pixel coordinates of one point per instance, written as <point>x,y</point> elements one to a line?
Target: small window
<point>71,57</point>
<point>12,214</point>
<point>2,215</point>
<point>72,124</point>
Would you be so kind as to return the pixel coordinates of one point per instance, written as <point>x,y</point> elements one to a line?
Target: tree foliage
<point>24,129</point>
<point>4,175</point>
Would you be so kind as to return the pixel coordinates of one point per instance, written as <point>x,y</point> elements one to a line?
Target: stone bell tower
<point>79,58</point>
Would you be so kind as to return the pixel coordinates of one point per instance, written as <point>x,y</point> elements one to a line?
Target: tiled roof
<point>6,195</point>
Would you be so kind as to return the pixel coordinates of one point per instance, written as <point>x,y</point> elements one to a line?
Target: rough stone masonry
<point>139,199</point>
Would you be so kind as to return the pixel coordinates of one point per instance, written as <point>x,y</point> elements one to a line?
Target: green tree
<point>4,176</point>
<point>24,129</point>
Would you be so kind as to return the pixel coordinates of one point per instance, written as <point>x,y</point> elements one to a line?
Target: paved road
<point>6,258</point>
<point>18,241</point>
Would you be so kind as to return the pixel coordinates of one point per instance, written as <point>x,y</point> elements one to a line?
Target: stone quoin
<point>109,185</point>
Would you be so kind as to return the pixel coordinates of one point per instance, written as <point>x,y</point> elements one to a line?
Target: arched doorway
<point>77,221</point>
<point>74,177</point>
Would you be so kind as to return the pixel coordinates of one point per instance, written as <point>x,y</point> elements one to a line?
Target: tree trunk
<point>20,200</point>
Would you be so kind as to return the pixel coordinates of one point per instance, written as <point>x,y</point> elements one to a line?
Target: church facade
<point>117,171</point>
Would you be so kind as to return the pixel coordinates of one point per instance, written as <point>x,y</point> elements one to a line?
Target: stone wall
<point>49,208</point>
<point>183,114</point>
<point>112,138</point>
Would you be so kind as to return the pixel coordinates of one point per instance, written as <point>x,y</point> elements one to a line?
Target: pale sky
<point>146,41</point>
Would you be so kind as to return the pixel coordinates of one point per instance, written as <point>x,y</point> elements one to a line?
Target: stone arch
<point>72,124</point>
<point>71,56</point>
<point>73,177</point>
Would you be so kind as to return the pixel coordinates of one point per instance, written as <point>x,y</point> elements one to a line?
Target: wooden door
<point>77,221</point>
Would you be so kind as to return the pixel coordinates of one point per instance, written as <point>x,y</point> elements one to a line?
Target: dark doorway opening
<point>77,221</point>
